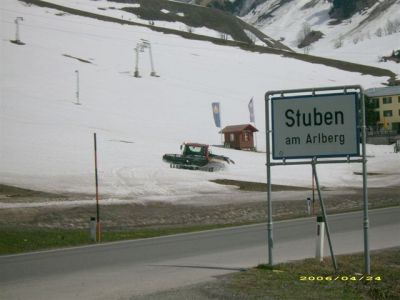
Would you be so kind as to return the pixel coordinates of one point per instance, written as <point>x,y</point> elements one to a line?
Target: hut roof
<point>236,128</point>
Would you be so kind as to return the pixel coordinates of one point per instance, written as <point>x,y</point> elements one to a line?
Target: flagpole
<point>255,135</point>
<point>220,124</point>
<point>253,119</point>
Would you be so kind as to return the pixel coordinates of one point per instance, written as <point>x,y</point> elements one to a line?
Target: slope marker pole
<point>98,239</point>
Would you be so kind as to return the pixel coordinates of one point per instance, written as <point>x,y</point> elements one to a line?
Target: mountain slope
<point>113,15</point>
<point>368,34</point>
<point>47,140</point>
<point>191,21</point>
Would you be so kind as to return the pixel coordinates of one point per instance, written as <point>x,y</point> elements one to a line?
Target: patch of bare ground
<point>165,214</point>
<point>13,194</point>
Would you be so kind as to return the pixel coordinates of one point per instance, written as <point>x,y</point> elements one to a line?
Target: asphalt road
<point>124,269</point>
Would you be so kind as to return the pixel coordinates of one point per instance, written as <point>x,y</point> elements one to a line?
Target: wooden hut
<point>239,136</point>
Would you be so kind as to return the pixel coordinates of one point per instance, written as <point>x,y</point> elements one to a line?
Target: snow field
<point>47,140</point>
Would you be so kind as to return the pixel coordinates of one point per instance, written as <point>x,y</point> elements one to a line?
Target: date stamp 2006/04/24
<point>341,278</point>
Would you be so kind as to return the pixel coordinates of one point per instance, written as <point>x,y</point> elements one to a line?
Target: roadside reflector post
<point>308,206</point>
<point>319,249</point>
<point>92,228</point>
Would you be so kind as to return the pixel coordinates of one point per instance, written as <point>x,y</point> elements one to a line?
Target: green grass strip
<point>311,279</point>
<point>14,240</point>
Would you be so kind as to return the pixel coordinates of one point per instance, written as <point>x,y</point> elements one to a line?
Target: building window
<point>232,137</point>
<point>398,98</point>
<point>387,100</point>
<point>387,113</point>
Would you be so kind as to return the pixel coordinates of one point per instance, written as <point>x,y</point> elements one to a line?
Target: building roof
<point>384,91</point>
<point>236,128</point>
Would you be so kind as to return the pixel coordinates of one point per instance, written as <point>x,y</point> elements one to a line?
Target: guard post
<point>308,206</point>
<point>319,248</point>
<point>92,229</point>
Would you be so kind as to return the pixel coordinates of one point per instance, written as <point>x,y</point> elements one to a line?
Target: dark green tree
<point>226,5</point>
<point>345,8</point>
<point>371,116</point>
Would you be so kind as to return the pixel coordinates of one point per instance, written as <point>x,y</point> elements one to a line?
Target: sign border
<point>357,120</point>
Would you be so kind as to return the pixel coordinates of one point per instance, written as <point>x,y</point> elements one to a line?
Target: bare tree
<point>339,42</point>
<point>223,36</point>
<point>392,26</point>
<point>307,49</point>
<point>189,29</point>
<point>303,33</point>
<point>379,32</point>
<point>357,38</point>
<point>251,36</point>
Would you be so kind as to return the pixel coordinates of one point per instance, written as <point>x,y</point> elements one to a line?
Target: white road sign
<point>315,126</point>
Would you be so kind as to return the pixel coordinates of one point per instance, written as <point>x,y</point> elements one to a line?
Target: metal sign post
<point>367,262</point>
<point>98,232</point>
<point>325,219</point>
<point>316,124</point>
<point>269,187</point>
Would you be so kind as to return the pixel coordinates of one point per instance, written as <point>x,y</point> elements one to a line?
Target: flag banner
<point>216,113</point>
<point>251,110</point>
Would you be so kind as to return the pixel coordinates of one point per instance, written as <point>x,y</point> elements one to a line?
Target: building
<point>239,136</point>
<point>386,101</point>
